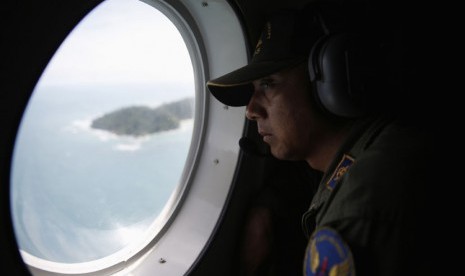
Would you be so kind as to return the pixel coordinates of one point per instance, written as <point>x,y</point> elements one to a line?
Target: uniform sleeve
<point>378,247</point>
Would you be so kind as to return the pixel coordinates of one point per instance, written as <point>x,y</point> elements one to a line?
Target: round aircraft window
<point>102,148</point>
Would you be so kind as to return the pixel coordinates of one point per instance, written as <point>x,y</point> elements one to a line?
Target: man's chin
<point>278,153</point>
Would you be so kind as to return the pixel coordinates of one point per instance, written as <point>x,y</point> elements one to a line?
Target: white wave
<point>78,126</point>
<point>84,125</point>
<point>103,135</point>
<point>128,147</point>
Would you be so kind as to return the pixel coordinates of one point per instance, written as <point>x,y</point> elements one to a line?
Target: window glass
<point>105,136</point>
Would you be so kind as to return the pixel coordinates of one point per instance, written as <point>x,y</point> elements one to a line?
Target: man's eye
<point>265,84</point>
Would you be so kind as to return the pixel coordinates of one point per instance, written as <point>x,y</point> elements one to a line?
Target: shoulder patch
<point>340,170</point>
<point>328,254</point>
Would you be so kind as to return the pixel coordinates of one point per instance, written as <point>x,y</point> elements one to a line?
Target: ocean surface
<point>80,194</point>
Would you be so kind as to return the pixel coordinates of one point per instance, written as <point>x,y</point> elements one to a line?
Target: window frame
<point>212,159</point>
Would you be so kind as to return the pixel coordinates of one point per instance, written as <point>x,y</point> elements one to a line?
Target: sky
<point>121,41</point>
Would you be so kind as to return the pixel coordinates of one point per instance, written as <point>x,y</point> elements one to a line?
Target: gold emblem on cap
<point>266,35</point>
<point>258,48</point>
<point>268,30</point>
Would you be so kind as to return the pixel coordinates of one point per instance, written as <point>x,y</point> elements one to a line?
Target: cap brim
<point>235,88</point>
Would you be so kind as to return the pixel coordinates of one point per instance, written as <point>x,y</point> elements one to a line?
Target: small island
<point>142,120</point>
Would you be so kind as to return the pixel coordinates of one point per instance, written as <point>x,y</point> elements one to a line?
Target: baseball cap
<point>285,42</point>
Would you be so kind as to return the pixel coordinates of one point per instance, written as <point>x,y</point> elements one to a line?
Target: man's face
<point>286,117</point>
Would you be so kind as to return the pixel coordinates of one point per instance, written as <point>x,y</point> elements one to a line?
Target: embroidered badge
<point>340,170</point>
<point>328,254</point>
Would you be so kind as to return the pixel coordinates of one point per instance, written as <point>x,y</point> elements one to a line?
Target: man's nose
<point>249,113</point>
<point>254,110</point>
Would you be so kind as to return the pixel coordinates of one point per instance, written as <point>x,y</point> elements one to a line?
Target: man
<point>366,217</point>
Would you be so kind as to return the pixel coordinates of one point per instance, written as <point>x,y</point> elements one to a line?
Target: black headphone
<point>344,68</point>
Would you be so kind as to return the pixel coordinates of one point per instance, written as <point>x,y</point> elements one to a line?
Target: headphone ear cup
<point>338,69</point>
<point>314,69</point>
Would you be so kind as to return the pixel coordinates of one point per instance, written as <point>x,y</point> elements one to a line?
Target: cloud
<point>121,41</point>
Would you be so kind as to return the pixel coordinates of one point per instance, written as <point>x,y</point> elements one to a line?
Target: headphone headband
<point>343,66</point>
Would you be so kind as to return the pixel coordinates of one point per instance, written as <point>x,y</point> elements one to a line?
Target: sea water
<point>80,194</point>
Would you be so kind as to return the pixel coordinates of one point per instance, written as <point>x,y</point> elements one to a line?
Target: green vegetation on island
<point>143,120</point>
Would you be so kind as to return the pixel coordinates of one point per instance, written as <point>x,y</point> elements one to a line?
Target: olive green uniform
<point>373,196</point>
